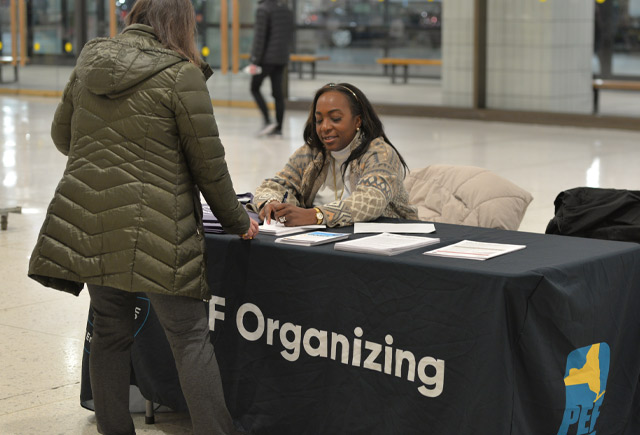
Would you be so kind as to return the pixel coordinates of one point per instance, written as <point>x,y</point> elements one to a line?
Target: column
<point>539,55</point>
<point>457,52</point>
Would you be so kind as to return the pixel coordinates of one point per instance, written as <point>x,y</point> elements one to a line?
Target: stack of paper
<point>210,221</point>
<point>474,250</point>
<point>313,238</point>
<point>278,229</point>
<point>385,244</point>
<point>403,227</point>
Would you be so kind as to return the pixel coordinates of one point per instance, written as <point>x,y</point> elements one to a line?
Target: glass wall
<point>225,35</point>
<point>51,31</point>
<point>617,39</point>
<point>5,28</point>
<point>354,33</point>
<point>617,54</point>
<point>352,36</point>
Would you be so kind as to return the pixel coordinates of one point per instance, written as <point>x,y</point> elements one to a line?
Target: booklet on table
<point>313,238</point>
<point>385,244</point>
<point>471,250</point>
<point>279,229</point>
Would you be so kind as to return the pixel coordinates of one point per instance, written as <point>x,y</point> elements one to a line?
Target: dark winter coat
<point>137,125</point>
<point>610,214</point>
<point>273,33</point>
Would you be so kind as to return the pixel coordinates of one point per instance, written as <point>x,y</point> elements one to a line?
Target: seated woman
<point>347,171</point>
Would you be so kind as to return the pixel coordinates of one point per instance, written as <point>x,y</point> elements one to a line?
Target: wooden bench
<point>311,59</point>
<point>8,60</point>
<point>618,85</point>
<point>405,62</point>
<point>300,59</point>
<point>4,215</point>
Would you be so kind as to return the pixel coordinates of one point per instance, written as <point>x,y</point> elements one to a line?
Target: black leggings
<point>275,73</point>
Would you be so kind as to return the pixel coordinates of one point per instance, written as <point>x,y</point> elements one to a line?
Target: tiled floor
<point>41,330</point>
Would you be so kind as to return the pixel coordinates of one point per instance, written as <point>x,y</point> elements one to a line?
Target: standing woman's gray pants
<point>186,326</point>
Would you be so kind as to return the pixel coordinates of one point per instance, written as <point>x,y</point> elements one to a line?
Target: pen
<point>284,198</point>
<point>282,219</point>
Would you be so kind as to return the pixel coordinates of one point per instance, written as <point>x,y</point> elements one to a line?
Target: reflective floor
<point>41,330</point>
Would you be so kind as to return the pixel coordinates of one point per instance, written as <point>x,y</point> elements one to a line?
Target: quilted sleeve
<point>203,150</point>
<point>61,125</point>
<point>260,35</point>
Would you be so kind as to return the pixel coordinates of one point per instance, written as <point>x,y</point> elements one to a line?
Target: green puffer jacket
<point>137,125</point>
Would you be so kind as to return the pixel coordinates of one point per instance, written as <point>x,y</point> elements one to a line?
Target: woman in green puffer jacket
<point>137,126</point>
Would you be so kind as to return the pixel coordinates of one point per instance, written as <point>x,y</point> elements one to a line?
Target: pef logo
<point>585,381</point>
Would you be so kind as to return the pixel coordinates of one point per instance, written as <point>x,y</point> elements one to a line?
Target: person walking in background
<point>271,47</point>
<point>137,126</point>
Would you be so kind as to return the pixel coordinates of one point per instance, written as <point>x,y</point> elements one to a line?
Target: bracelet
<point>268,201</point>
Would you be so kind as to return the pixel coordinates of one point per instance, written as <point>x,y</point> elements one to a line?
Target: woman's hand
<point>291,215</point>
<point>252,231</point>
<point>268,211</point>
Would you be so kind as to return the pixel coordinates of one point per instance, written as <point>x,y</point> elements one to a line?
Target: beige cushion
<point>466,195</point>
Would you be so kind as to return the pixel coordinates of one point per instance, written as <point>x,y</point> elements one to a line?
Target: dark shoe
<point>276,134</point>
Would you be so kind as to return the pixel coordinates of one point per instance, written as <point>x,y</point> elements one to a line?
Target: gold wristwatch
<point>319,215</point>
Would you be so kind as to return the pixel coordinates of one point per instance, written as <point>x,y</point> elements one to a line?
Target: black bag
<point>609,214</point>
<point>153,369</point>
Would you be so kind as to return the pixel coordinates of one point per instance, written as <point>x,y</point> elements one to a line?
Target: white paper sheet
<point>471,250</point>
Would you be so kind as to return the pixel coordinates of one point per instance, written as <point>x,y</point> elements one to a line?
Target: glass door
<point>225,35</point>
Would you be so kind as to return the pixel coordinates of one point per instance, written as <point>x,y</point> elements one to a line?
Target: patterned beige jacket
<point>376,181</point>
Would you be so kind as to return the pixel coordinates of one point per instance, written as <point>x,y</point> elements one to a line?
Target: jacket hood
<point>112,66</point>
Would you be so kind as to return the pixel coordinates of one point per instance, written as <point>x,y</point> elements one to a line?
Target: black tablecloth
<point>541,341</point>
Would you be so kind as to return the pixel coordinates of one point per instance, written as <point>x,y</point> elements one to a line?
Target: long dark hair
<point>173,21</point>
<point>370,127</point>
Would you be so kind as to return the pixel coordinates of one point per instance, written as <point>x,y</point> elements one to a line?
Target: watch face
<point>319,216</point>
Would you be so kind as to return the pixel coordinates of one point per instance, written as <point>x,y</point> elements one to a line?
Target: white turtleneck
<point>335,189</point>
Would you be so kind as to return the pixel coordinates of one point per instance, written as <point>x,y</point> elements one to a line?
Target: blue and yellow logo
<point>585,381</point>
